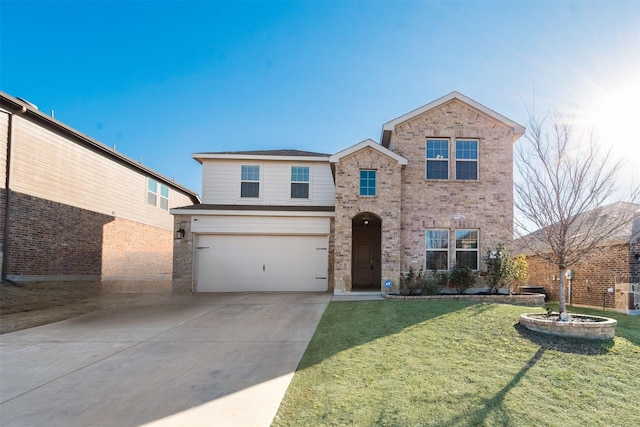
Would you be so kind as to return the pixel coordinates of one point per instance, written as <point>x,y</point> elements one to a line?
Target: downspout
<point>9,197</point>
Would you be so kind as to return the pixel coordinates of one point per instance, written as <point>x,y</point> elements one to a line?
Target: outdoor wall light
<point>180,233</point>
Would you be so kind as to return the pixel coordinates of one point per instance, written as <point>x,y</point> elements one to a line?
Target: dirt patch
<point>31,304</point>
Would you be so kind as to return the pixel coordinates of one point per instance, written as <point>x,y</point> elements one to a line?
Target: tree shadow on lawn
<point>493,407</point>
<point>355,326</point>
<point>565,344</point>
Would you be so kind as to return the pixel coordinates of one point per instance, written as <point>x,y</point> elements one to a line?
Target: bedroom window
<point>367,182</point>
<point>437,245</point>
<point>250,181</point>
<point>437,159</point>
<point>299,182</point>
<point>467,248</point>
<point>466,159</point>
<point>157,194</point>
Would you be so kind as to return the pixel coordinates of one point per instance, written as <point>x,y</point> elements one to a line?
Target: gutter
<point>9,197</point>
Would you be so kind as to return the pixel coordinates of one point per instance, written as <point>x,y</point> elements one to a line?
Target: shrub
<point>462,277</point>
<point>433,283</point>
<point>502,270</point>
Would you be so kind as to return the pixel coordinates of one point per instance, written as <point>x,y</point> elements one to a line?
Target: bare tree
<point>564,182</point>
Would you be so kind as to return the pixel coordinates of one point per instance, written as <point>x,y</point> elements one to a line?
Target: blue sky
<point>162,80</point>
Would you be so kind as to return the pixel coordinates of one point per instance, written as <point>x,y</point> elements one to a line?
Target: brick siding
<point>385,204</point>
<point>485,204</point>
<point>604,268</point>
<point>53,239</point>
<point>182,278</point>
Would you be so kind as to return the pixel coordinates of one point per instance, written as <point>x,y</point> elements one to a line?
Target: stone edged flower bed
<point>578,325</point>
<point>528,300</point>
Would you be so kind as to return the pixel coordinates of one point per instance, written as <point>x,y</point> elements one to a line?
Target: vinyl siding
<point>261,225</point>
<point>221,183</point>
<point>49,166</point>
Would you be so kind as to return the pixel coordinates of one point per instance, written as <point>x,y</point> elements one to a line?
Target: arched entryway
<point>366,252</point>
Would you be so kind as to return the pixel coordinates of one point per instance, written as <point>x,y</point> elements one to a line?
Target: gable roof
<point>603,216</point>
<point>284,154</point>
<point>368,143</point>
<point>387,128</point>
<point>30,111</point>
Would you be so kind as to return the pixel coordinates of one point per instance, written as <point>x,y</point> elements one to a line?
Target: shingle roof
<point>283,152</point>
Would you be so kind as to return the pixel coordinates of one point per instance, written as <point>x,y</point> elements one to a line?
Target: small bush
<point>433,283</point>
<point>462,277</point>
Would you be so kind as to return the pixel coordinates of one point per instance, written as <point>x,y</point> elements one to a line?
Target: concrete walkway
<point>205,360</point>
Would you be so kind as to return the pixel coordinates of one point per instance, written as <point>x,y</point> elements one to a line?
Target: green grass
<point>451,363</point>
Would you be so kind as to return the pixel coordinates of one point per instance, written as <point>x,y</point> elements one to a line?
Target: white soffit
<point>518,129</point>
<point>371,144</point>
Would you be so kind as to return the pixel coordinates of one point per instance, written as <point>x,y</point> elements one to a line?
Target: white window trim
<point>476,250</point>
<point>476,160</point>
<point>260,181</point>
<point>158,194</point>
<point>448,159</point>
<point>446,250</point>
<point>300,182</point>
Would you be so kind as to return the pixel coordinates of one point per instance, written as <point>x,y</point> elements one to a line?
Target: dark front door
<point>366,252</point>
<point>363,269</point>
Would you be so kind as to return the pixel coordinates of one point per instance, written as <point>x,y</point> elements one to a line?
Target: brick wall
<point>63,242</point>
<point>597,272</point>
<point>485,204</point>
<point>385,205</point>
<point>183,255</point>
<point>131,249</point>
<point>54,239</point>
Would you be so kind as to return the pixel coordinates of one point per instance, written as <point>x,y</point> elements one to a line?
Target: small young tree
<point>520,271</point>
<point>499,268</point>
<point>563,183</point>
<point>502,270</point>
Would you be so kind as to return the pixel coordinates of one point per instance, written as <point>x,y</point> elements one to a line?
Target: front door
<point>363,268</point>
<point>366,252</point>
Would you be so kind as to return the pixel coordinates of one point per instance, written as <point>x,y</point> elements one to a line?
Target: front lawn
<point>453,363</point>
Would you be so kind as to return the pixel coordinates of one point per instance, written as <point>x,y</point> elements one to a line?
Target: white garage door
<point>237,263</point>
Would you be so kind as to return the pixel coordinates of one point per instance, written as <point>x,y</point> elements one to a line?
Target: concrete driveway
<point>205,360</point>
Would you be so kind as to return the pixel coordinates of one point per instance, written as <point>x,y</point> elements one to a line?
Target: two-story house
<point>73,209</point>
<point>437,190</point>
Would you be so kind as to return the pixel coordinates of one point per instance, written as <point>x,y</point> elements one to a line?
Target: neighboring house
<point>606,277</point>
<point>437,190</point>
<point>73,209</point>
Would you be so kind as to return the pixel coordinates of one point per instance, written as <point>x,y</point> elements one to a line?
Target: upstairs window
<point>367,182</point>
<point>467,248</point>
<point>466,159</point>
<point>299,182</point>
<point>157,194</point>
<point>437,159</point>
<point>250,181</point>
<point>437,244</point>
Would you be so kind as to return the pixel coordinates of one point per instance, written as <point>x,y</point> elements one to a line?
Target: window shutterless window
<point>152,192</point>
<point>367,182</point>
<point>157,194</point>
<point>466,159</point>
<point>437,166</point>
<point>437,245</point>
<point>467,248</point>
<point>250,181</point>
<point>299,182</point>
